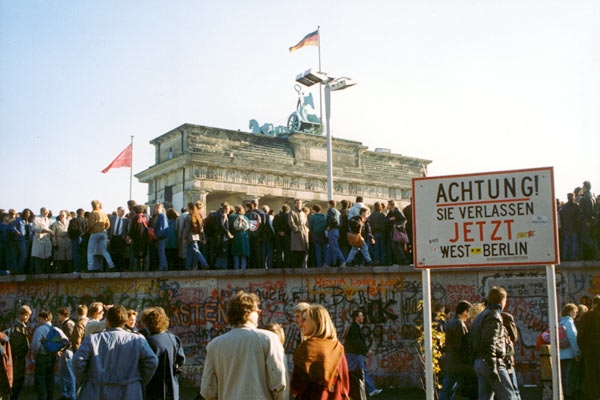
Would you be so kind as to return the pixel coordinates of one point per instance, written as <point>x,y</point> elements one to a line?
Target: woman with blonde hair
<point>164,385</point>
<point>320,368</point>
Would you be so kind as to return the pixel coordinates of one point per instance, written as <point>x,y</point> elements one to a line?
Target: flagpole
<point>131,171</point>
<point>320,84</point>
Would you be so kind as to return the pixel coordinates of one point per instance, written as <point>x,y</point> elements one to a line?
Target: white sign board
<point>485,219</point>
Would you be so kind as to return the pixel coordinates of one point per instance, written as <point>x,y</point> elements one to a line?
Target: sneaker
<point>342,265</point>
<point>375,392</point>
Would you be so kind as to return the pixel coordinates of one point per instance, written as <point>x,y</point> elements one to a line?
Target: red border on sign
<point>550,170</point>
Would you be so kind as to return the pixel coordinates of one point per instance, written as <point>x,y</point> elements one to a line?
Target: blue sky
<point>473,86</point>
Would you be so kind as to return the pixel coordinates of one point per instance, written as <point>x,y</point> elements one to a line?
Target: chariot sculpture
<point>304,119</point>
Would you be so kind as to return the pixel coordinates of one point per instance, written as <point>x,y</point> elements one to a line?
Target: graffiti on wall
<point>197,308</point>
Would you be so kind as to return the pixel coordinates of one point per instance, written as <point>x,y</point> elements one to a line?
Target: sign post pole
<point>553,319</point>
<point>427,331</point>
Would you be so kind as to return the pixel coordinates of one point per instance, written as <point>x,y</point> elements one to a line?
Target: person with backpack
<point>255,218</point>
<point>19,342</point>
<point>240,244</point>
<point>138,239</point>
<point>359,225</point>
<point>44,359</point>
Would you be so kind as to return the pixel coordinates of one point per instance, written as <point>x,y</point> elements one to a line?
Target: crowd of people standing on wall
<point>232,237</point>
<point>242,236</point>
<point>579,226</point>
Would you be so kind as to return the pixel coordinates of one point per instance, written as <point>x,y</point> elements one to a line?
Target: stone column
<point>197,195</point>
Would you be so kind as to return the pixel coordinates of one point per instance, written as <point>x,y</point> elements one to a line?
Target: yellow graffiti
<point>527,234</point>
<point>595,285</point>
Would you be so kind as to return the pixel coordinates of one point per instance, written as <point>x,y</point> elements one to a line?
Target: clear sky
<point>474,86</point>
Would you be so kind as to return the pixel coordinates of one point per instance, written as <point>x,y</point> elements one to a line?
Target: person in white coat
<point>246,362</point>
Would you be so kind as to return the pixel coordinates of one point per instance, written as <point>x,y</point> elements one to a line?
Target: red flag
<point>122,160</point>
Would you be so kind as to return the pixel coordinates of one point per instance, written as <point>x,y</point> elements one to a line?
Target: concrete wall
<point>389,297</point>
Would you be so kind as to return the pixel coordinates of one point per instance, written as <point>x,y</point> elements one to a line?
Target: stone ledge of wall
<point>278,271</point>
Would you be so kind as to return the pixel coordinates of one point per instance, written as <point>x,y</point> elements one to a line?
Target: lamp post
<point>309,78</point>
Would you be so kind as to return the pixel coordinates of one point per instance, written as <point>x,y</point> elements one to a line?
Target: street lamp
<point>309,78</point>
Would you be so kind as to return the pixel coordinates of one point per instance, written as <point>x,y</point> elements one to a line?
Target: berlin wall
<point>196,303</point>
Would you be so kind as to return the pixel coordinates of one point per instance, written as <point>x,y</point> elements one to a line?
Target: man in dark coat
<point>282,238</point>
<point>356,348</point>
<point>588,339</point>
<point>457,361</point>
<point>489,344</point>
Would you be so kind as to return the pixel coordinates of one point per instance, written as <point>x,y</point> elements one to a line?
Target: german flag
<point>312,39</point>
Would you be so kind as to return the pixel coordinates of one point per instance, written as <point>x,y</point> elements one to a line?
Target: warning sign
<point>486,219</point>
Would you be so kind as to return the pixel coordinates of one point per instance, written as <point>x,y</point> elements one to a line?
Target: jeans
<point>4,256</point>
<point>387,249</point>
<point>567,377</point>
<point>357,361</point>
<point>570,246</point>
<point>66,376</point>
<point>378,249</point>
<point>319,249</point>
<point>44,376</point>
<point>76,252</point>
<point>194,256</point>
<point>266,249</point>
<point>490,387</point>
<point>99,240</point>
<point>20,256</point>
<point>451,383</point>
<point>239,262</point>
<point>333,253</point>
<point>161,247</point>
<point>364,249</point>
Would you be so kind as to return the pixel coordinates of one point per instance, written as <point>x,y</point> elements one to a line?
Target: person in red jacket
<point>320,368</point>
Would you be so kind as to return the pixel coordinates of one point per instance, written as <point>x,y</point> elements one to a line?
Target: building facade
<point>213,165</point>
